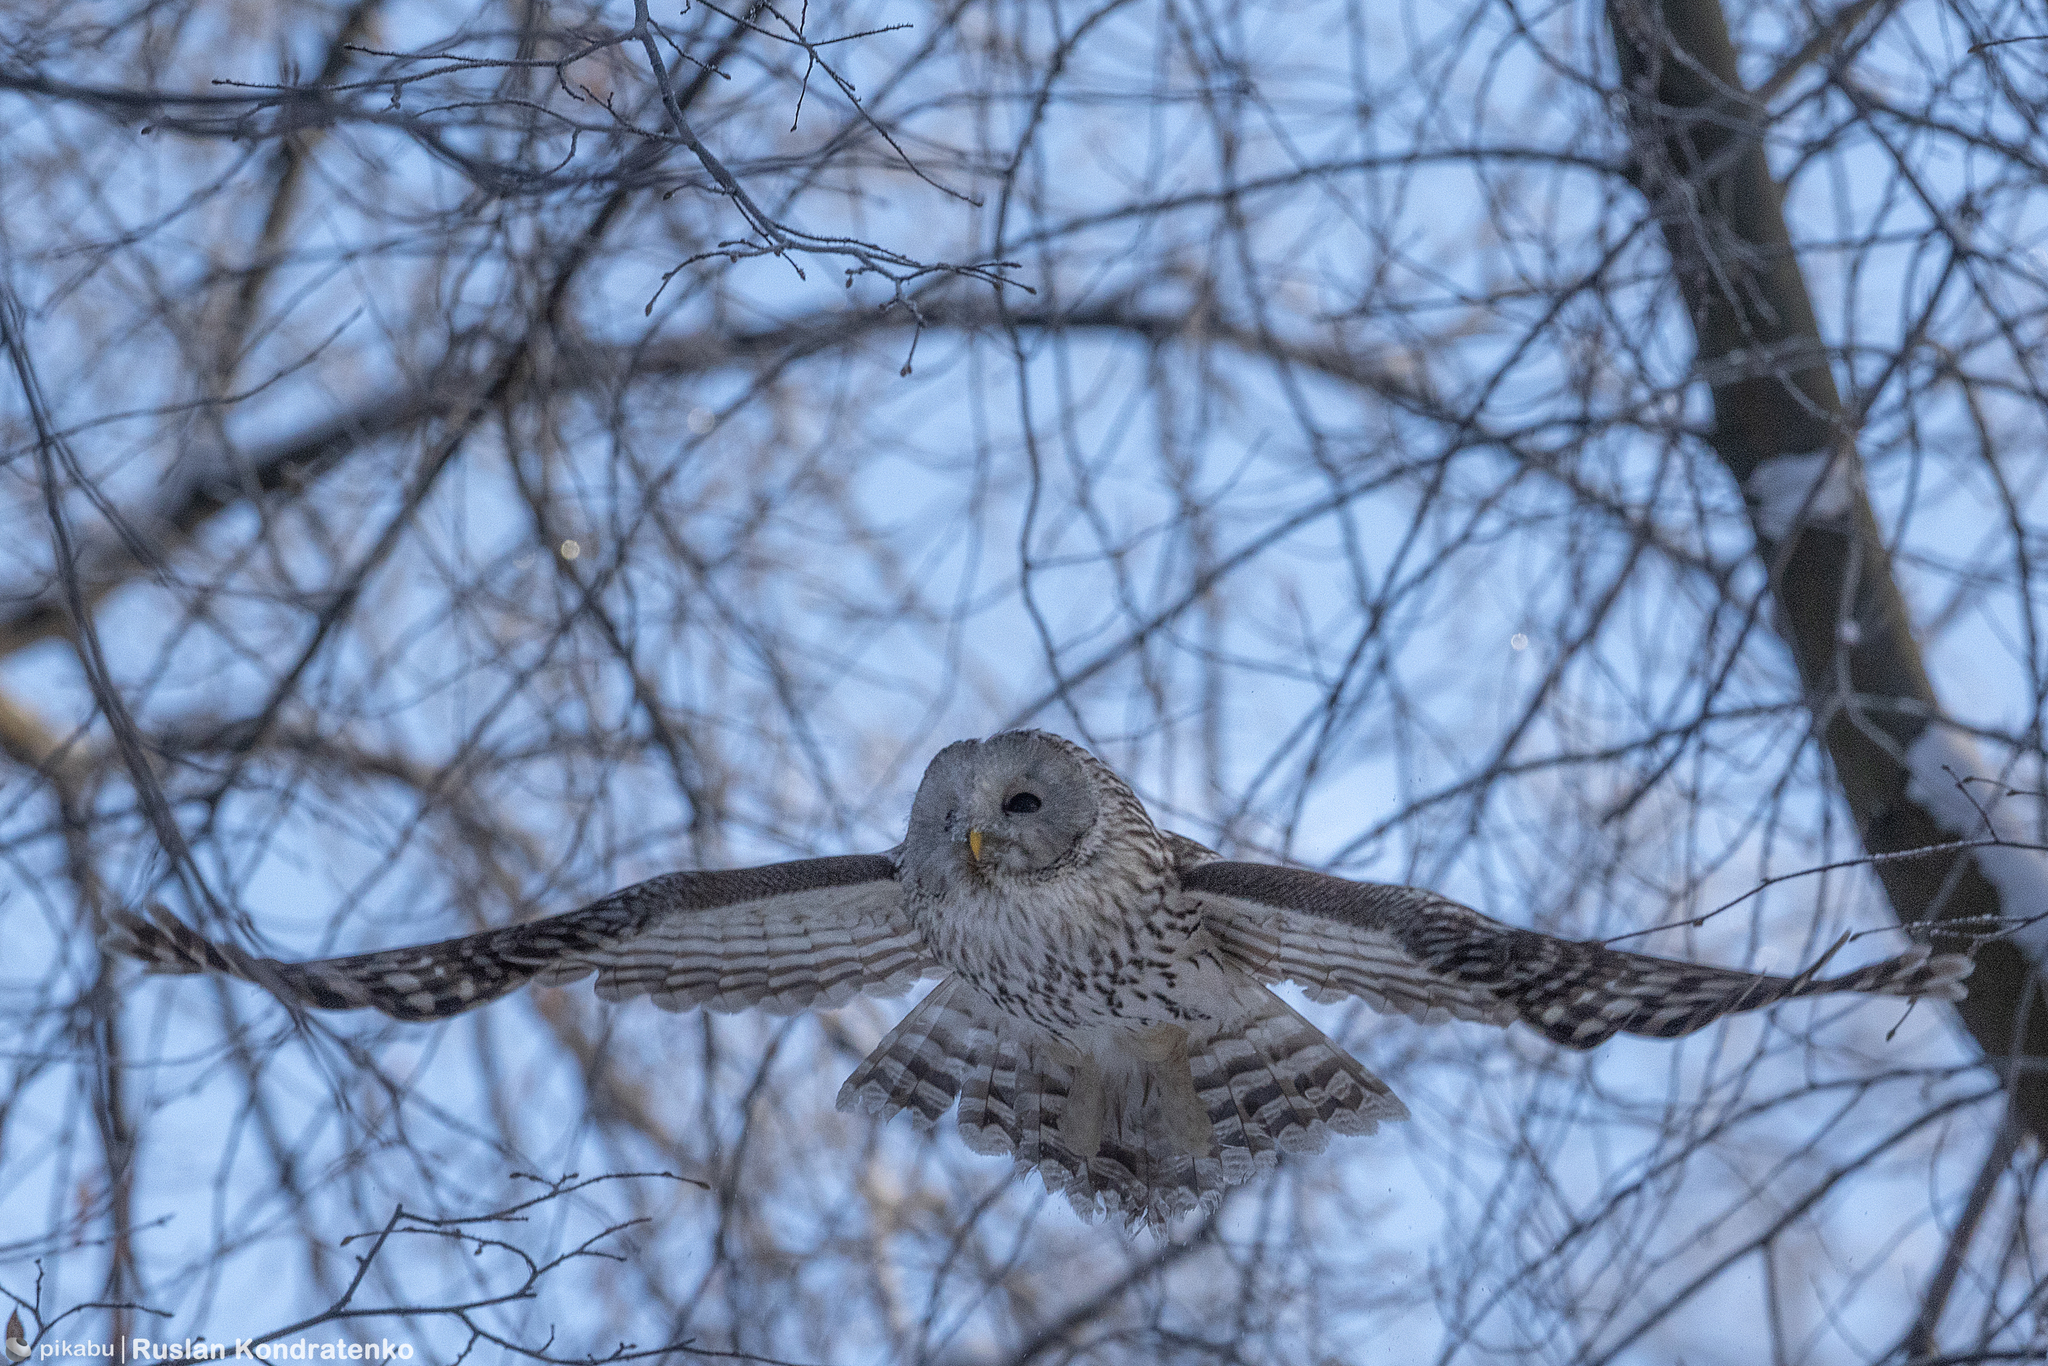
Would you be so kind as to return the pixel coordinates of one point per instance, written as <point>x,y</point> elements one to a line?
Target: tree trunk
<point>1780,428</point>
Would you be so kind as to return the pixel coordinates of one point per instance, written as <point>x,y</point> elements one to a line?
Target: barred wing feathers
<point>1408,950</point>
<point>780,938</point>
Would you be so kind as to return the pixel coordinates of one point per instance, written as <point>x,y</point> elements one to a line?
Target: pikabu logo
<point>17,1341</point>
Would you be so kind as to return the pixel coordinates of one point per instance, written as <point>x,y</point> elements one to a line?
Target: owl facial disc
<point>1013,804</point>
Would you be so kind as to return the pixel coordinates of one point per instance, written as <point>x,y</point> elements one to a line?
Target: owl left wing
<point>1408,950</point>
<point>781,937</point>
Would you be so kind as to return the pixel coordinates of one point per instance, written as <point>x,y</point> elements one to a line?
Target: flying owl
<point>1103,1013</point>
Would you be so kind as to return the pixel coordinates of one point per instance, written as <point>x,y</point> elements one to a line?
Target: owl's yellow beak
<point>974,844</point>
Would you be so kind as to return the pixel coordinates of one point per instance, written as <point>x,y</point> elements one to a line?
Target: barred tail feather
<point>988,1096</point>
<point>1152,1131</point>
<point>1041,1103</point>
<point>1222,1072</point>
<point>1200,1114</point>
<point>1275,1081</point>
<point>919,1065</point>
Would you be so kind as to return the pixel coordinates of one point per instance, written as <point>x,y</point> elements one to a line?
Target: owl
<point>1103,1012</point>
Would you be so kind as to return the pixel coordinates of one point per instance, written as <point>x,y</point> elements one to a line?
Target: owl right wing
<point>1409,950</point>
<point>814,932</point>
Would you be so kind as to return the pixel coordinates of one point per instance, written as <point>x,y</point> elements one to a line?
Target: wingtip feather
<point>165,945</point>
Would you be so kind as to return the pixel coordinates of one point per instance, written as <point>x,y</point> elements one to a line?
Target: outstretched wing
<point>783,937</point>
<point>1404,949</point>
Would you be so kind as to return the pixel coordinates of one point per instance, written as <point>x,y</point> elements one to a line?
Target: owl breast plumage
<point>1102,1013</point>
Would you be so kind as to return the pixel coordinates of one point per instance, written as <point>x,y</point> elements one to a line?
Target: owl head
<point>1013,805</point>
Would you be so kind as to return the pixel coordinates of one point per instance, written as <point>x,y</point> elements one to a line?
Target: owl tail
<point>919,1064</point>
<point>1162,1127</point>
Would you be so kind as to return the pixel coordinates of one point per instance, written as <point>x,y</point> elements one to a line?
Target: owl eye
<point>1023,804</point>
